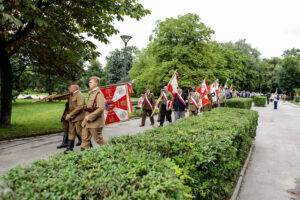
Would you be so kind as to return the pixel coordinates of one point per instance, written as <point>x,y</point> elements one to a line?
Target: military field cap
<point>179,87</point>
<point>74,83</point>
<point>193,90</point>
<point>147,88</point>
<point>95,78</point>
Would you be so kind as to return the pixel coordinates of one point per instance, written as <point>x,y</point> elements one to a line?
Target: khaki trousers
<point>74,129</point>
<point>88,134</point>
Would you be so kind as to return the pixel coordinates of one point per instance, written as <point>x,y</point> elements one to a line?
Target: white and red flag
<point>217,87</point>
<point>230,88</point>
<point>203,91</point>
<point>213,93</point>
<point>117,102</point>
<point>173,84</point>
<point>129,91</point>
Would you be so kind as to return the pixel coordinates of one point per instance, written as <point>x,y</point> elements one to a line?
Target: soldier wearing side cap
<point>75,115</point>
<point>94,121</point>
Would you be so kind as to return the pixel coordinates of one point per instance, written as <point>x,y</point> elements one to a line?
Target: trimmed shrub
<point>289,98</point>
<point>197,157</point>
<point>244,103</point>
<point>297,98</point>
<point>260,101</point>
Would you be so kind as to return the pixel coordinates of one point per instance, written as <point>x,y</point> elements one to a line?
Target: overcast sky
<point>271,26</point>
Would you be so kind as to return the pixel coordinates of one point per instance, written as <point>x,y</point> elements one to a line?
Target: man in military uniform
<point>94,121</point>
<point>193,105</point>
<point>221,99</point>
<point>166,104</point>
<point>147,107</point>
<point>76,115</point>
<point>65,127</point>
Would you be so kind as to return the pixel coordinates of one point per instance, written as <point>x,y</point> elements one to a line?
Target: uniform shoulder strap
<point>94,103</point>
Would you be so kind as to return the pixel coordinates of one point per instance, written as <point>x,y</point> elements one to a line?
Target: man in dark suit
<point>180,104</point>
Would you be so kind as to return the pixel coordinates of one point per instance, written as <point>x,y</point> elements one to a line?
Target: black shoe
<point>82,149</point>
<point>91,144</point>
<point>70,146</point>
<point>64,143</point>
<point>79,141</point>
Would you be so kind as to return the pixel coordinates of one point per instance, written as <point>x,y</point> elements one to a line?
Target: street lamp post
<point>125,39</point>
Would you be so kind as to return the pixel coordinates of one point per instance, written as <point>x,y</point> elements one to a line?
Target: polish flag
<point>213,92</point>
<point>173,84</point>
<point>230,88</point>
<point>217,87</point>
<point>203,91</point>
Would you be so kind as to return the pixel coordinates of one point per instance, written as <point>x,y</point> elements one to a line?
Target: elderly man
<point>75,116</point>
<point>180,104</point>
<point>94,121</point>
<point>148,106</point>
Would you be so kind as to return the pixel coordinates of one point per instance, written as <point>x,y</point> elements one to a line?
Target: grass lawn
<point>294,102</point>
<point>35,118</point>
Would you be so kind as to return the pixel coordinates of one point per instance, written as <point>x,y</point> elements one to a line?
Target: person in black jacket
<point>180,104</point>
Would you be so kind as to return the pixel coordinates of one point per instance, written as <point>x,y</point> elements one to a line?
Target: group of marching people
<point>200,100</point>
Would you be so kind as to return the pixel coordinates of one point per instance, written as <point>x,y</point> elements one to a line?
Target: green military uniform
<point>147,110</point>
<point>65,127</point>
<point>65,123</point>
<point>193,111</point>
<point>76,103</point>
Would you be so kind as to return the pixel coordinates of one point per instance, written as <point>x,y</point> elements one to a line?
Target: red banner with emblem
<point>116,105</point>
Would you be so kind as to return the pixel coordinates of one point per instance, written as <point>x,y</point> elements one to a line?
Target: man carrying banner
<point>166,104</point>
<point>180,104</point>
<point>75,117</point>
<point>193,100</point>
<point>147,107</point>
<point>94,121</point>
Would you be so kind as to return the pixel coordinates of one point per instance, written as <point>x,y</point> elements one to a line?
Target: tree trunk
<point>6,86</point>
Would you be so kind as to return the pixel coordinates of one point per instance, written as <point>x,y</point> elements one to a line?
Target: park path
<point>27,150</point>
<point>274,169</point>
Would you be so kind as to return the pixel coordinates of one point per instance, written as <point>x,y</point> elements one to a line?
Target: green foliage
<point>244,103</point>
<point>260,101</point>
<point>289,74</point>
<point>297,99</point>
<point>197,157</point>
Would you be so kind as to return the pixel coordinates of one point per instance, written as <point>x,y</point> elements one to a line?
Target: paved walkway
<point>274,170</point>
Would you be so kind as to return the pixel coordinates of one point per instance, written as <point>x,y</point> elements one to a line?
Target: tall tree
<point>49,33</point>
<point>115,63</point>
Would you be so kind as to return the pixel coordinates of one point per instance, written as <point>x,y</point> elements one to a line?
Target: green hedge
<point>297,98</point>
<point>260,101</point>
<point>197,157</point>
<point>244,103</point>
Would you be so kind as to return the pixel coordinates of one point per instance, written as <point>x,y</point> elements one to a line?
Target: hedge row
<point>194,158</point>
<point>260,101</point>
<point>297,98</point>
<point>244,103</point>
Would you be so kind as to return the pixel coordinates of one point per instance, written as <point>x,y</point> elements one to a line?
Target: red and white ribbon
<point>193,101</point>
<point>181,99</point>
<point>148,102</point>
